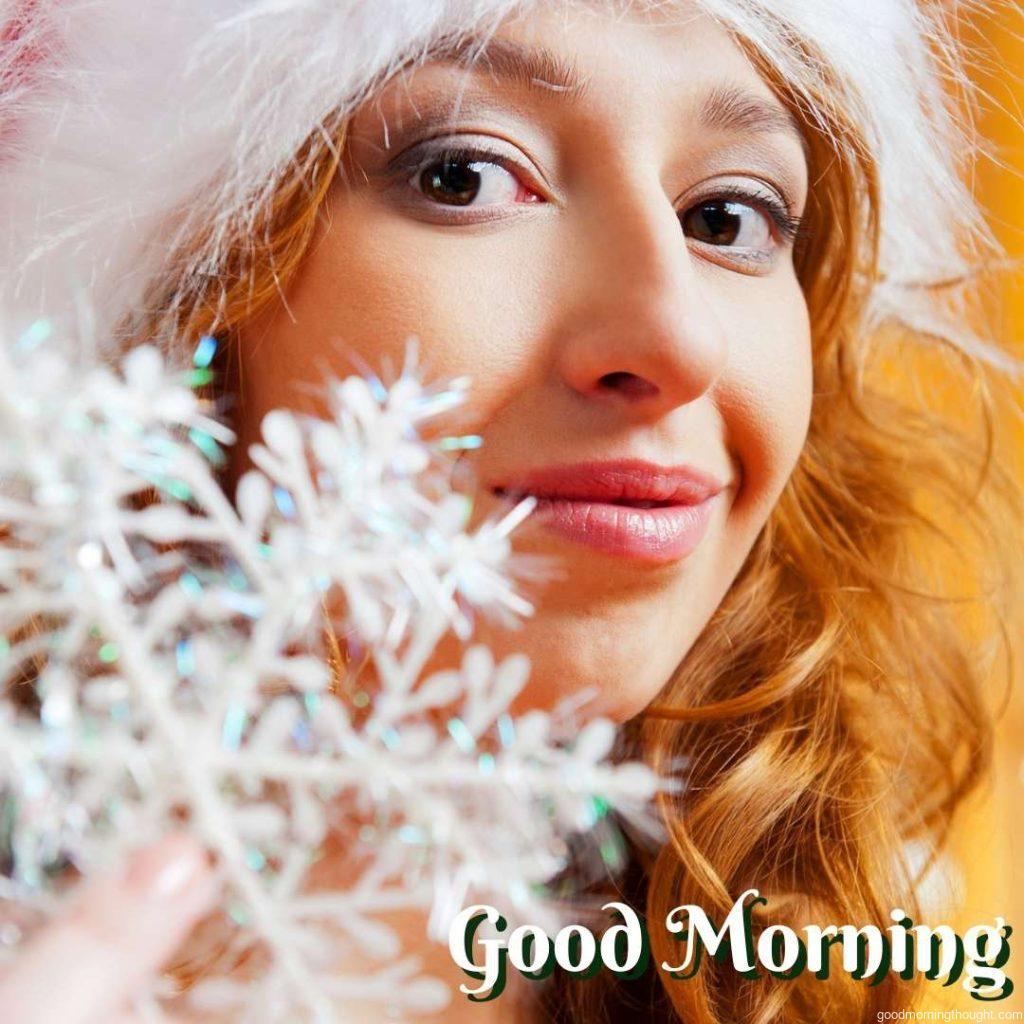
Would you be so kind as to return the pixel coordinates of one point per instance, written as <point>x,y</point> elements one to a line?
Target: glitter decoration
<point>257,671</point>
<point>206,349</point>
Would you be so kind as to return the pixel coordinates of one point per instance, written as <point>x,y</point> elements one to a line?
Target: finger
<point>83,968</point>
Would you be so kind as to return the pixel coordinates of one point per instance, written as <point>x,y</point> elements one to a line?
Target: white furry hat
<point>127,124</point>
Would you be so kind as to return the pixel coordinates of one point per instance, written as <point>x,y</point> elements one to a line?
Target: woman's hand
<point>85,967</point>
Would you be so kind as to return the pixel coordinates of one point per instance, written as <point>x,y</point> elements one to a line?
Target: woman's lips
<point>627,507</point>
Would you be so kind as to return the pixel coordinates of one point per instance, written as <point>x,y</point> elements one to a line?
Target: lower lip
<point>655,535</point>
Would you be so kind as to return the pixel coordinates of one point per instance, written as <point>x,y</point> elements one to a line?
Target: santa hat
<point>127,125</point>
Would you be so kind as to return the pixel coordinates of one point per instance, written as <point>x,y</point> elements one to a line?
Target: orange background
<point>989,841</point>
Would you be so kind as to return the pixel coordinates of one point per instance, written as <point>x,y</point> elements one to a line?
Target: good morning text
<point>868,952</point>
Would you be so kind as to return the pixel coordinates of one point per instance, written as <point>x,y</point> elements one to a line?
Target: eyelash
<point>788,225</point>
<point>777,209</point>
<point>414,162</point>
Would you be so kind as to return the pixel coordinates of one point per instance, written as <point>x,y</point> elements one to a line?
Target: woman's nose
<point>639,330</point>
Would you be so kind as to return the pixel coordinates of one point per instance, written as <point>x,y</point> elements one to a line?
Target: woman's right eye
<point>469,178</point>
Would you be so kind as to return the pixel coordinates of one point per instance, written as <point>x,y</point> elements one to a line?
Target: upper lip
<point>622,481</point>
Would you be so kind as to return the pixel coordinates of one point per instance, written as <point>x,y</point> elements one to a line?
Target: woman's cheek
<point>468,296</point>
<point>765,398</point>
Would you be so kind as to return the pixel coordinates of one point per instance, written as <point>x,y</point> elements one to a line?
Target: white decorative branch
<point>163,658</point>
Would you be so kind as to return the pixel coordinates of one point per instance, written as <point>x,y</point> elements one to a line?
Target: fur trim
<point>129,125</point>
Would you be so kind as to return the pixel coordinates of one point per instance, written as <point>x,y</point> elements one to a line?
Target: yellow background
<point>989,842</point>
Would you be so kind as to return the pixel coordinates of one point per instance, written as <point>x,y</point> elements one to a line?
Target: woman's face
<point>593,223</point>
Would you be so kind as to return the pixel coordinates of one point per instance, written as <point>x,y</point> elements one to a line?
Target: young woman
<point>672,244</point>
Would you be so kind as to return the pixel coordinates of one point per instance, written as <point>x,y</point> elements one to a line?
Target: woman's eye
<point>726,222</point>
<point>468,179</point>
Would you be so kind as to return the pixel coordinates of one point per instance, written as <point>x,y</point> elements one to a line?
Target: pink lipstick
<point>625,507</point>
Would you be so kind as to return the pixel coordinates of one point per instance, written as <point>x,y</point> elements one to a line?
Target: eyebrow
<point>535,69</point>
<point>726,107</point>
<point>732,108</point>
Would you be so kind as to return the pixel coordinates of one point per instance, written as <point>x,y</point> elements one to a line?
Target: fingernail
<point>166,870</point>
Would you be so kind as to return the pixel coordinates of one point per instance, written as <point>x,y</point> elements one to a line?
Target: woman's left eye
<point>740,220</point>
<point>728,223</point>
<point>469,178</point>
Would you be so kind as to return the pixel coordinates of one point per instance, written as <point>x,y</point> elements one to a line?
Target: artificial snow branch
<point>165,658</point>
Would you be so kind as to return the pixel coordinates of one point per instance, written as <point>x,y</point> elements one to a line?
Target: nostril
<point>628,384</point>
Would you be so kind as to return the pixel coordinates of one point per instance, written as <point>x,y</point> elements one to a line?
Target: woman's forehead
<point>673,75</point>
<point>574,51</point>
